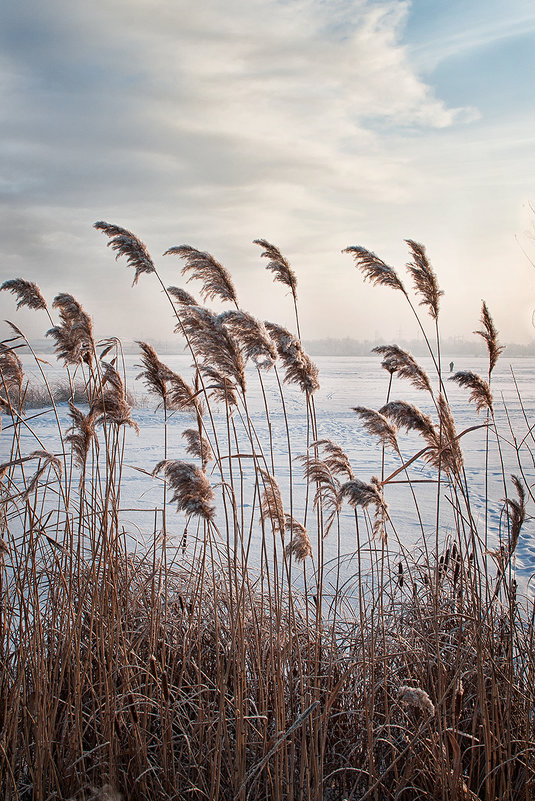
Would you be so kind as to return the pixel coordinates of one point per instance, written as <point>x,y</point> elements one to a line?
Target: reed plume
<point>220,388</point>
<point>156,374</point>
<point>358,493</point>
<point>271,505</point>
<point>81,434</point>
<point>399,361</point>
<point>212,343</point>
<point>181,396</point>
<point>182,297</point>
<point>336,459</point>
<point>446,451</point>
<point>27,293</point>
<point>327,488</point>
<point>416,697</point>
<point>46,460</point>
<point>408,416</point>
<point>252,337</point>
<point>300,369</point>
<point>11,372</point>
<point>480,393</point>
<point>451,455</point>
<point>374,269</point>
<point>425,280</point>
<point>112,407</point>
<point>299,546</point>
<point>490,335</point>
<point>278,265</point>
<point>197,445</point>
<point>125,243</point>
<point>192,491</point>
<point>74,337</point>
<point>378,425</point>
<point>216,280</point>
<point>516,513</point>
<point>111,404</point>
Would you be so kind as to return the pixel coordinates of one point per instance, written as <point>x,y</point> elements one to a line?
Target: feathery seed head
<point>397,360</point>
<point>299,546</point>
<point>300,369</point>
<point>125,243</point>
<point>81,434</point>
<point>212,343</point>
<point>252,337</point>
<point>192,491</point>
<point>182,297</point>
<point>217,282</point>
<point>74,337</point>
<point>11,372</point>
<point>156,374</point>
<point>490,335</point>
<point>516,512</point>
<point>271,506</point>
<point>416,697</point>
<point>26,292</point>
<point>480,392</point>
<point>197,445</point>
<point>278,265</point>
<point>374,269</point>
<point>377,424</point>
<point>425,280</point>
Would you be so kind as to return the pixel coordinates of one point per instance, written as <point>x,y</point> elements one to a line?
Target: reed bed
<point>224,665</point>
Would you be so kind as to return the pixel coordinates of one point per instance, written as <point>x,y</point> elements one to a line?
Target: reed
<point>233,660</point>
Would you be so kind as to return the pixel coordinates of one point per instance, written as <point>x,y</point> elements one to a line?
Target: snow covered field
<point>345,382</point>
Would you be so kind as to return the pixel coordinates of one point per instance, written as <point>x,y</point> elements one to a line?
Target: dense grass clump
<point>235,663</point>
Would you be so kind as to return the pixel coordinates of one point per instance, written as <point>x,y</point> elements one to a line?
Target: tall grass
<point>226,665</point>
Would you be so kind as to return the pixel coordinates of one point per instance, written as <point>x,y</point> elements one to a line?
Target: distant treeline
<point>451,347</point>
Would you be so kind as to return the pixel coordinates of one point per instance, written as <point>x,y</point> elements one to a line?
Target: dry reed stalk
<point>217,282</point>
<point>27,293</point>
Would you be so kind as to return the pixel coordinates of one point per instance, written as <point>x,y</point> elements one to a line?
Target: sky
<point>315,124</point>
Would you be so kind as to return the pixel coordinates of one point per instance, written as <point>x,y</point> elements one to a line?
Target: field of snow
<point>345,382</point>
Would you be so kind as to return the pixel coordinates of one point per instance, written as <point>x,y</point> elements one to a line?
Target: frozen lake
<point>345,382</point>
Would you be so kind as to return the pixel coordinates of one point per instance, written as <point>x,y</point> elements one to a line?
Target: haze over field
<point>316,125</point>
